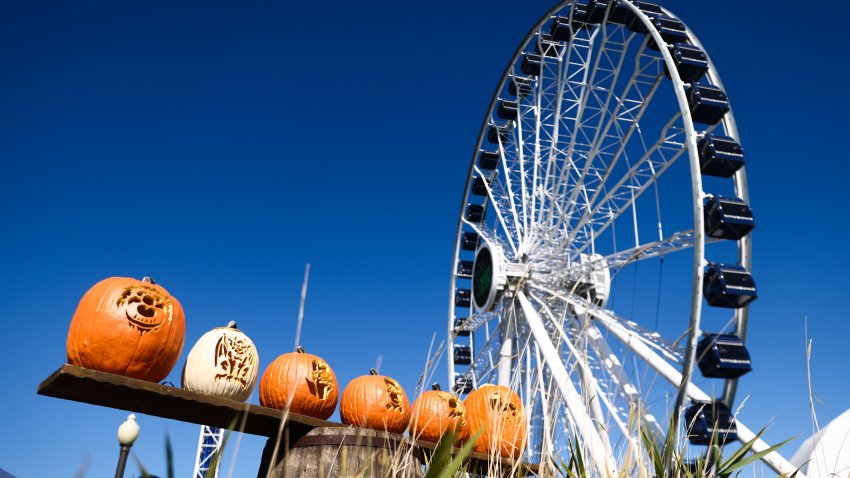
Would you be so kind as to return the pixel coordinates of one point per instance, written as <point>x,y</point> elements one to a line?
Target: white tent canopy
<point>826,454</point>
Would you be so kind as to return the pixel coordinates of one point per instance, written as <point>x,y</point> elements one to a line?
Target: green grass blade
<point>442,455</point>
<point>741,452</point>
<point>169,456</point>
<point>458,459</point>
<point>728,470</point>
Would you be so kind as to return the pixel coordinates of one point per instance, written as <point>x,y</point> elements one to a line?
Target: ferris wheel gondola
<point>603,247</point>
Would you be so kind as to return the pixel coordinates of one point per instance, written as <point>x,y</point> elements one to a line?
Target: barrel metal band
<point>356,440</point>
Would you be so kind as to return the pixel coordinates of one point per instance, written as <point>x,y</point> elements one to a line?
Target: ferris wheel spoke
<point>523,181</point>
<point>506,207</point>
<point>489,234</point>
<point>643,174</point>
<point>631,105</point>
<point>677,242</point>
<point>591,87</point>
<point>613,74</point>
<point>497,197</point>
<point>651,339</point>
<point>574,89</point>
<point>561,105</point>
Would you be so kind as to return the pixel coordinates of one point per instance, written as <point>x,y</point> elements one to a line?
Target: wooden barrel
<point>350,452</point>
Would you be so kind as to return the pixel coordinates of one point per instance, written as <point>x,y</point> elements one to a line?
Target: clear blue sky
<point>219,146</point>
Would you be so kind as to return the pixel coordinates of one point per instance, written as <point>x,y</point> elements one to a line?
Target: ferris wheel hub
<point>493,276</point>
<point>591,279</point>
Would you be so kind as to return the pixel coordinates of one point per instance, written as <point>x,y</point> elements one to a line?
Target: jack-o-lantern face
<point>322,383</point>
<point>456,408</point>
<point>395,395</point>
<point>235,357</point>
<point>503,408</point>
<point>145,307</point>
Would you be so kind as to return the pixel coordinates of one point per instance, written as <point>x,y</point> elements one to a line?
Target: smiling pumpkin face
<point>145,307</point>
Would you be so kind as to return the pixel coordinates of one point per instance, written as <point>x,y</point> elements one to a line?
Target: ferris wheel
<point>603,248</point>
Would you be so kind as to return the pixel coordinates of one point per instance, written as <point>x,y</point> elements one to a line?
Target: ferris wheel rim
<point>696,187</point>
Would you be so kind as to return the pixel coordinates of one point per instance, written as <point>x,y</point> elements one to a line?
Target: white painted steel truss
<point>584,171</point>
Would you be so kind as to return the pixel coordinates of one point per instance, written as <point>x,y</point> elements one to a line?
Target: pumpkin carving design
<point>500,411</point>
<point>128,327</point>
<point>223,363</point>
<point>377,402</point>
<point>436,412</point>
<point>304,380</point>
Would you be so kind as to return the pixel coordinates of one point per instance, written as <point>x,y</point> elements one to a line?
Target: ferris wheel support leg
<point>505,355</point>
<point>505,362</point>
<point>600,454</point>
<point>774,460</point>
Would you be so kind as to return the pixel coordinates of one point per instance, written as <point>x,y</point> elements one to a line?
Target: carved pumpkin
<point>128,327</point>
<point>223,363</point>
<point>307,378</point>
<point>435,412</point>
<point>377,402</point>
<point>498,409</point>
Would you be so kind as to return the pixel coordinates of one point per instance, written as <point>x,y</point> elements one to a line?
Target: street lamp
<point>127,434</point>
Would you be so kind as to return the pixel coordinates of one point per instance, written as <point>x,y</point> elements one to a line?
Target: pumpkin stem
<point>373,371</point>
<point>300,350</point>
<point>149,280</point>
<point>231,324</point>
<point>436,386</point>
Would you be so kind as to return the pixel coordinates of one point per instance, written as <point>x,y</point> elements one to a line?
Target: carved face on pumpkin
<point>456,408</point>
<point>507,410</point>
<point>146,308</point>
<point>235,358</point>
<point>322,382</point>
<point>395,394</point>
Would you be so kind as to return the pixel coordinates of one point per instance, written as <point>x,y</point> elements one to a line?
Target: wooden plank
<point>124,393</point>
<point>116,391</point>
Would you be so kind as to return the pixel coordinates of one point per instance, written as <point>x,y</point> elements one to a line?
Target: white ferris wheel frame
<point>587,421</point>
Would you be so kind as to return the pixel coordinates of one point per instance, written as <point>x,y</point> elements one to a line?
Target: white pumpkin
<point>223,363</point>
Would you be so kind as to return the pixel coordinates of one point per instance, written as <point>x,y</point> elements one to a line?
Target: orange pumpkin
<point>436,412</point>
<point>128,327</point>
<point>498,409</point>
<point>377,402</point>
<point>307,377</point>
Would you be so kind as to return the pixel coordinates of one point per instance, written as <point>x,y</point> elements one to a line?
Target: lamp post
<point>127,434</point>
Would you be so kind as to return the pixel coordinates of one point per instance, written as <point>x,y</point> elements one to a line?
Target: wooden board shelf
<point>124,393</point>
<point>139,396</point>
